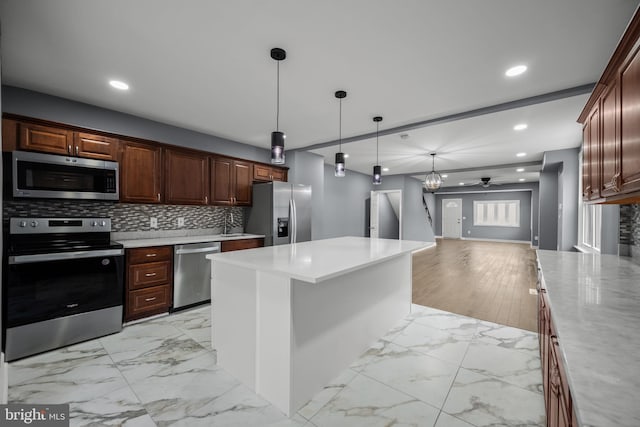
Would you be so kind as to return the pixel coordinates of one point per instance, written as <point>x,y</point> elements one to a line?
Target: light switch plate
<point>181,222</point>
<point>153,222</point>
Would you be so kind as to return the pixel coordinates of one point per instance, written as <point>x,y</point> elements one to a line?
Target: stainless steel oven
<point>63,283</point>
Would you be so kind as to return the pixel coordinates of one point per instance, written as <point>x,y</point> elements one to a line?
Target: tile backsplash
<point>630,230</point>
<point>129,217</point>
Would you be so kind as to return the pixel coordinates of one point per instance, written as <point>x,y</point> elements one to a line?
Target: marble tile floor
<point>433,369</point>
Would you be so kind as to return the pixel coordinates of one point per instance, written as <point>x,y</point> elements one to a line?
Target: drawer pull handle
<point>152,255</point>
<point>150,274</point>
<point>150,299</point>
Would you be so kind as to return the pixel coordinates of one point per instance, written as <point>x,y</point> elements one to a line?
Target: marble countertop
<point>181,240</point>
<point>320,260</point>
<point>595,306</point>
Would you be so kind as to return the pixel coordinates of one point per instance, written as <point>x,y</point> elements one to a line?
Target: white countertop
<point>181,240</point>
<point>320,260</point>
<point>595,306</point>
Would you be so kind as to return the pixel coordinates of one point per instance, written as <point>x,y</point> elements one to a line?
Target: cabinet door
<point>594,154</point>
<point>45,138</point>
<point>279,175</point>
<point>630,123</point>
<point>242,180</point>
<point>186,177</point>
<point>221,177</point>
<point>261,173</point>
<point>237,245</point>
<point>95,146</point>
<point>610,147</point>
<point>140,173</point>
<point>586,145</point>
<point>9,135</point>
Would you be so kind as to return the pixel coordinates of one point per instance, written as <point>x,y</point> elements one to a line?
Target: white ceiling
<point>205,65</point>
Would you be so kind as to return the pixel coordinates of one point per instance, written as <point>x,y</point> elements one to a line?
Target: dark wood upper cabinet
<point>140,172</point>
<point>264,173</point>
<point>45,138</point>
<point>9,134</point>
<point>57,140</point>
<point>630,122</point>
<point>611,119</point>
<point>186,177</point>
<point>95,146</point>
<point>231,182</point>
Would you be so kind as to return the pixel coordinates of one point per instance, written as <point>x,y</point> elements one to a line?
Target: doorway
<point>452,218</point>
<point>386,214</point>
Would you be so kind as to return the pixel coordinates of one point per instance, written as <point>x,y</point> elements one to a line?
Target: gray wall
<point>566,166</point>
<point>548,217</point>
<point>415,225</point>
<point>344,203</point>
<point>42,106</point>
<point>531,187</point>
<point>610,229</point>
<point>522,233</point>
<point>308,168</point>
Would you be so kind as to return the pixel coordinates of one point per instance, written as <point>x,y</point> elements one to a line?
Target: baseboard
<point>495,240</point>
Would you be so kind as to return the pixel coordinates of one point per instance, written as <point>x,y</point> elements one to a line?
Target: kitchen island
<point>287,319</point>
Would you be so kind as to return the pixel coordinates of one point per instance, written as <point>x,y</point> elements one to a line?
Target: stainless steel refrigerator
<point>282,212</point>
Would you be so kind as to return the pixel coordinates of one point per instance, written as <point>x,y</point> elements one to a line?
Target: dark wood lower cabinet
<point>236,245</point>
<point>557,396</point>
<point>149,281</point>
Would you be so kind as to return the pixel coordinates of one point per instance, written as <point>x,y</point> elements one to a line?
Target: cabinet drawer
<point>236,245</point>
<point>152,273</point>
<point>153,254</point>
<point>143,301</point>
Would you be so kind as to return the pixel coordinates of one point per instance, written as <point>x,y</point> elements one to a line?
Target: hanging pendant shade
<point>377,169</point>
<point>277,137</point>
<point>340,164</point>
<point>433,181</point>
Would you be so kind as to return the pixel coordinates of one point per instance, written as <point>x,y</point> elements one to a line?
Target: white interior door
<point>452,218</point>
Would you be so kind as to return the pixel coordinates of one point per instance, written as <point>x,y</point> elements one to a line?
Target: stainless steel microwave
<point>49,176</point>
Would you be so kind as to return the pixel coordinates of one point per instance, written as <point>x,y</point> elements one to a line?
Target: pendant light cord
<point>340,127</point>
<point>278,96</point>
<point>377,130</point>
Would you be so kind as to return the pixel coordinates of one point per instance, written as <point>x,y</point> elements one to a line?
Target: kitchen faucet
<point>225,221</point>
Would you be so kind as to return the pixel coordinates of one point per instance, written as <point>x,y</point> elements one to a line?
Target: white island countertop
<point>320,260</point>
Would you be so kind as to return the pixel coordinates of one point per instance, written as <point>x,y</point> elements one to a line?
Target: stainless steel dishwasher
<point>192,273</point>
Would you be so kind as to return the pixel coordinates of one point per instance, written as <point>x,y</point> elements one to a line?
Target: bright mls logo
<point>15,414</point>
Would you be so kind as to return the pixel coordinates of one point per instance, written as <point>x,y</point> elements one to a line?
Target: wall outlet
<point>535,237</point>
<point>468,231</point>
<point>153,222</point>
<point>181,222</point>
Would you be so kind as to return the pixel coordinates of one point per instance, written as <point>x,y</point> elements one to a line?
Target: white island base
<point>288,319</point>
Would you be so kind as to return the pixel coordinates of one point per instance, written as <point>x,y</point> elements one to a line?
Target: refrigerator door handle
<point>291,222</point>
<point>295,222</point>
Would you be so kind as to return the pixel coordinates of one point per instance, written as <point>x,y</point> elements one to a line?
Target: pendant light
<point>377,169</point>
<point>433,181</point>
<point>340,169</point>
<point>277,137</point>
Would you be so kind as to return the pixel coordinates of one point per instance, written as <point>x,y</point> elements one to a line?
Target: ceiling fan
<point>485,182</point>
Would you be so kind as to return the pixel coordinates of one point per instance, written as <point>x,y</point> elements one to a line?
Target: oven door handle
<point>62,256</point>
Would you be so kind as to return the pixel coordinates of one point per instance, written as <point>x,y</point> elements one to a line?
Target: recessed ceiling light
<point>520,170</point>
<point>385,169</point>
<point>520,126</point>
<point>515,71</point>
<point>462,183</point>
<point>119,84</point>
<point>346,156</point>
<point>521,154</point>
<point>445,175</point>
<point>521,179</point>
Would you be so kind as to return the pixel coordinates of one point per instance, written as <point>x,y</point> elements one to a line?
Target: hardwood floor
<point>485,280</point>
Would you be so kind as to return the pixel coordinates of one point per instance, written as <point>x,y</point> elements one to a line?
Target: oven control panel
<point>58,225</point>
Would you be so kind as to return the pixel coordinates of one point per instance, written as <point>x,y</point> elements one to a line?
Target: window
<point>591,222</point>
<point>496,213</point>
